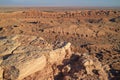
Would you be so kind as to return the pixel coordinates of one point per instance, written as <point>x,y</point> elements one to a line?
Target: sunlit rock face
<point>23,55</point>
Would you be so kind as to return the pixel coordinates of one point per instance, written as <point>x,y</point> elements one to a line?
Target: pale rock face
<point>26,55</point>
<point>60,53</point>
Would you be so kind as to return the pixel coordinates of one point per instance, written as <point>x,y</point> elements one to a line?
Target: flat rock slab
<point>23,55</point>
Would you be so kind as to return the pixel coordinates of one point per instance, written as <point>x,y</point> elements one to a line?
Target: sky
<point>81,3</point>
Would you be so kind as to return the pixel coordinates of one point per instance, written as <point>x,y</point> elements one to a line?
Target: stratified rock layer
<point>24,55</point>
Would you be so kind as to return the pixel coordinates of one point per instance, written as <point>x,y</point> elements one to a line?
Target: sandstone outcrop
<point>25,55</point>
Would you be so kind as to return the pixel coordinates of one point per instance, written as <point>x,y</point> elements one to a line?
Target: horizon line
<point>51,6</point>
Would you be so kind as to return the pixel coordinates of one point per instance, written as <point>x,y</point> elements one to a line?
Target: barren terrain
<point>59,44</point>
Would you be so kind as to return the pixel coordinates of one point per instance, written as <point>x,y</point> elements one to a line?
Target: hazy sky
<point>104,3</point>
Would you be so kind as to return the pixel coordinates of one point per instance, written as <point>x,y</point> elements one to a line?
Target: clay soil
<point>93,31</point>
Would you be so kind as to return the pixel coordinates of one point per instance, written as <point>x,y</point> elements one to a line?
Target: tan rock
<point>1,70</point>
<point>23,64</point>
<point>92,63</point>
<point>29,58</point>
<point>31,55</point>
<point>8,45</point>
<point>60,53</point>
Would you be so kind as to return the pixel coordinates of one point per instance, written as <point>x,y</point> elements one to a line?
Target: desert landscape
<point>59,43</point>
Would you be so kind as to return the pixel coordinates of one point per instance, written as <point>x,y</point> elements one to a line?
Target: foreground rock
<point>24,55</point>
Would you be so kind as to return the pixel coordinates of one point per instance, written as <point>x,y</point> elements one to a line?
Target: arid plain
<point>59,44</point>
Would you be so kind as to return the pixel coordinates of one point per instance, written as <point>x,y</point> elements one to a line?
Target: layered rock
<point>24,55</point>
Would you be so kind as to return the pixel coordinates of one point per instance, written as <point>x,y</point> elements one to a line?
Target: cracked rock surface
<point>24,55</point>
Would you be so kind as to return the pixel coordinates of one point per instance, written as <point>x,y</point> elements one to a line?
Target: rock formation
<point>92,64</point>
<point>24,55</point>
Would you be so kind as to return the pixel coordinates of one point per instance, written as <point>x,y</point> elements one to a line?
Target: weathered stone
<point>31,55</point>
<point>26,64</point>
<point>60,53</point>
<point>8,45</point>
<point>91,64</point>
